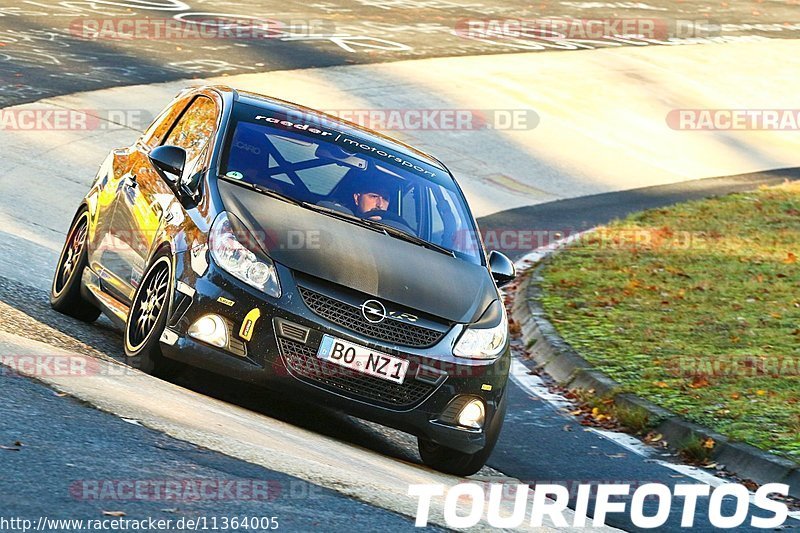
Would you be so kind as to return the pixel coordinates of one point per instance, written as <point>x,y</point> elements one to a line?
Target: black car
<point>281,246</point>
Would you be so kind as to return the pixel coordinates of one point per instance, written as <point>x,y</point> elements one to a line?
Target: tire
<point>65,292</point>
<point>148,318</point>
<point>458,463</point>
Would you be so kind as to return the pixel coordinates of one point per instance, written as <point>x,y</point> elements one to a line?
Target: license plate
<point>362,359</point>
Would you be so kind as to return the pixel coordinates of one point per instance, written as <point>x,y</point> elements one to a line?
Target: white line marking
<point>534,385</point>
<point>704,476</point>
<point>629,442</point>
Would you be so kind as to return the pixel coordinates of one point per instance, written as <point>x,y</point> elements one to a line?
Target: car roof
<point>282,106</point>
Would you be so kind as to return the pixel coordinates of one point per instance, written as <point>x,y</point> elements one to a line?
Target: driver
<point>372,197</point>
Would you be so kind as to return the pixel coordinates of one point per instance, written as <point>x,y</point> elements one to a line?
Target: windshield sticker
<point>382,153</point>
<point>235,175</point>
<point>290,124</point>
<point>344,141</point>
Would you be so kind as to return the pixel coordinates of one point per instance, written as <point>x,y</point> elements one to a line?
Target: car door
<point>145,198</point>
<point>109,246</point>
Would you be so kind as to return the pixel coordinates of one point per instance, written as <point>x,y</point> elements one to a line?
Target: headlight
<point>473,414</point>
<point>247,263</point>
<point>483,343</point>
<point>210,329</point>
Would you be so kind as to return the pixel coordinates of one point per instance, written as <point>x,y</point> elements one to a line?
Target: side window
<point>194,130</point>
<point>156,131</point>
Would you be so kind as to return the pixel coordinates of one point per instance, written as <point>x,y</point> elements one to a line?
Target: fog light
<point>472,415</point>
<point>210,329</point>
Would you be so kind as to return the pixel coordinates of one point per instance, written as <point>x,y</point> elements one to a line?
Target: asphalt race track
<point>65,441</point>
<point>47,51</point>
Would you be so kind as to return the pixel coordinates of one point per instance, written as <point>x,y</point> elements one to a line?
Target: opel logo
<point>373,311</point>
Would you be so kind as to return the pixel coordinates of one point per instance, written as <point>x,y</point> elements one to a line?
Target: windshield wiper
<point>343,216</point>
<point>380,227</point>
<point>410,237</point>
<point>263,190</point>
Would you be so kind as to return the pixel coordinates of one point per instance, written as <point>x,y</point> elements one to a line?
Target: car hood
<point>362,259</point>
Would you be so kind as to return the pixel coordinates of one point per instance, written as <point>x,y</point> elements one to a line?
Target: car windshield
<point>300,157</point>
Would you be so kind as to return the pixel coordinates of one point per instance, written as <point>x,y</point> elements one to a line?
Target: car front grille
<point>349,316</point>
<point>302,360</point>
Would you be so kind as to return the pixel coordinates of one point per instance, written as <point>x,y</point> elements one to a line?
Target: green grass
<point>635,419</point>
<point>697,308</point>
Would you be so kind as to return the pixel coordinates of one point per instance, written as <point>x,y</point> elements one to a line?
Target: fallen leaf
<point>114,513</point>
<point>790,258</point>
<point>708,443</point>
<point>653,437</point>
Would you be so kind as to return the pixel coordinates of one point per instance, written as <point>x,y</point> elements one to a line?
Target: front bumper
<point>284,358</point>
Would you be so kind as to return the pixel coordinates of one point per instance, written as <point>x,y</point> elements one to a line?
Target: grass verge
<point>695,307</point>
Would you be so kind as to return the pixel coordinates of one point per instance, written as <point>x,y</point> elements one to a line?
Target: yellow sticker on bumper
<point>249,324</point>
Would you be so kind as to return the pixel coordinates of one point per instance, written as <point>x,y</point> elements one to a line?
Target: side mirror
<point>169,162</point>
<point>502,268</point>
